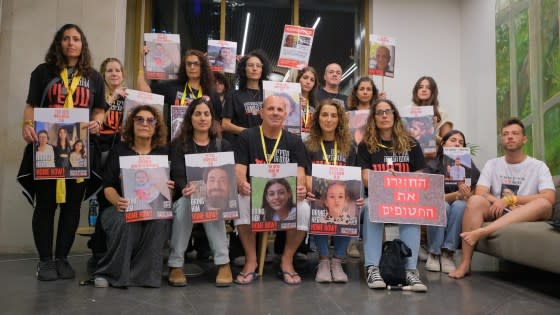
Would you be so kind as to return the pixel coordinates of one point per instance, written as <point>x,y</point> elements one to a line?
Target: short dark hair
<point>514,121</point>
<point>210,169</point>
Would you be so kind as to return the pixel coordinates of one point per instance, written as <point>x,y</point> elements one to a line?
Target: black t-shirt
<point>242,107</point>
<point>90,92</point>
<point>317,157</point>
<point>322,95</point>
<point>109,134</point>
<point>112,173</point>
<point>410,161</point>
<point>248,149</point>
<point>178,171</point>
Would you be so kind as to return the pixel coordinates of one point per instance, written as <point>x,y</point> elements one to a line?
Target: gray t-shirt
<point>526,178</point>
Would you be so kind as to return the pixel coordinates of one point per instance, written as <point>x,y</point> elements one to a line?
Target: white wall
<point>27,29</point>
<point>436,38</point>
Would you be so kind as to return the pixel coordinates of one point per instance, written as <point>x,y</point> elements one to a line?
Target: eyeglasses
<point>194,63</point>
<point>381,112</point>
<point>254,65</point>
<point>151,121</point>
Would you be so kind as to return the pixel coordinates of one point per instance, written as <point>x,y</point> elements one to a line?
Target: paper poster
<point>296,47</point>
<point>382,55</point>
<point>213,175</point>
<point>419,121</point>
<point>62,149</point>
<point>177,117</point>
<point>407,198</point>
<point>273,196</point>
<point>164,56</point>
<point>458,165</point>
<point>336,189</point>
<point>291,93</point>
<point>144,181</point>
<point>221,55</point>
<point>357,124</point>
<point>136,98</point>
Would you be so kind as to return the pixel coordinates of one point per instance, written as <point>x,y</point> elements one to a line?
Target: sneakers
<point>100,282</point>
<point>176,277</point>
<point>352,250</point>
<point>447,262</point>
<point>413,282</point>
<point>46,270</point>
<point>323,271</point>
<point>374,280</point>
<point>64,270</point>
<point>224,278</point>
<point>432,264</point>
<point>338,274</point>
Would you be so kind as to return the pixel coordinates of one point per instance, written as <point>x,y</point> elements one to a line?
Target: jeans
<point>373,240</point>
<point>340,245</point>
<point>447,236</point>
<point>181,234</point>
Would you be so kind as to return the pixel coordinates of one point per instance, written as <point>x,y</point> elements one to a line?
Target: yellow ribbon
<point>68,103</point>
<point>184,96</point>
<point>325,156</point>
<point>264,146</point>
<point>306,117</point>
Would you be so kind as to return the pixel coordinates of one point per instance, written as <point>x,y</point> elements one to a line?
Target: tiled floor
<point>527,292</point>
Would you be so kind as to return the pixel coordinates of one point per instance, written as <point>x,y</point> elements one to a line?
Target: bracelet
<point>28,122</point>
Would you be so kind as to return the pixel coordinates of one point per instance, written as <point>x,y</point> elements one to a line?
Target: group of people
<point>65,153</point>
<point>252,127</point>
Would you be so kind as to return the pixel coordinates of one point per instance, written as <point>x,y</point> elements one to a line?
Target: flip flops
<point>254,276</point>
<point>282,275</point>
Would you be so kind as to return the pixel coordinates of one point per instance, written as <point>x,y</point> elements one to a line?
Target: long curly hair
<point>57,61</point>
<point>312,98</point>
<point>241,75</point>
<point>432,101</point>
<point>341,134</point>
<point>186,135</point>
<point>402,140</point>
<point>206,75</point>
<point>353,100</point>
<point>159,138</point>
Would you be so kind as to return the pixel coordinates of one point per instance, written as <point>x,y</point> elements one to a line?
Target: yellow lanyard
<point>268,160</point>
<point>306,116</point>
<point>325,156</point>
<point>69,101</point>
<point>184,96</point>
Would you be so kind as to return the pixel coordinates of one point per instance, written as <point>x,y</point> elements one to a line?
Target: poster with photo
<point>419,121</point>
<point>136,98</point>
<point>382,55</point>
<point>273,196</point>
<point>296,47</point>
<point>213,175</point>
<point>357,124</point>
<point>177,117</point>
<point>62,149</point>
<point>458,165</point>
<point>336,189</point>
<point>144,181</point>
<point>164,56</point>
<point>290,92</point>
<point>221,55</point>
<point>406,198</point>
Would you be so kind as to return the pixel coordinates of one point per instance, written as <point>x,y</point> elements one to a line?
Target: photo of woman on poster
<point>63,148</point>
<point>278,200</point>
<point>44,155</point>
<point>78,157</point>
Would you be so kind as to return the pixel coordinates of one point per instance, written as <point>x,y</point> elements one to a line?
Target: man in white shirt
<point>533,200</point>
<point>457,171</point>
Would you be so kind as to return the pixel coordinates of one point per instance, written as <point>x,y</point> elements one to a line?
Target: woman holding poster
<point>134,250</point>
<point>196,136</point>
<point>66,79</point>
<point>307,78</point>
<point>388,147</point>
<point>425,93</point>
<point>444,241</point>
<point>329,142</point>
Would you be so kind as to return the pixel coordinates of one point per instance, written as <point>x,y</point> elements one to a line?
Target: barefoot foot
<point>460,272</point>
<point>472,237</point>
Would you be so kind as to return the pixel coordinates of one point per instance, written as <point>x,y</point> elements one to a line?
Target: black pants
<point>43,217</point>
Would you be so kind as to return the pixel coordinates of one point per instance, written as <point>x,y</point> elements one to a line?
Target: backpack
<point>393,261</point>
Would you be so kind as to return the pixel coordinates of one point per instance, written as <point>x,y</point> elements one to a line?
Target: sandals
<point>254,276</point>
<point>283,276</point>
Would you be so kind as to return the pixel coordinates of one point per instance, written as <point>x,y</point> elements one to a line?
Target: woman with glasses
<point>242,107</point>
<point>134,254</point>
<point>387,146</point>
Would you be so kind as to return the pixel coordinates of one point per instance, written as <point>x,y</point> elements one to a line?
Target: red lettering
<point>417,212</point>
<point>406,196</point>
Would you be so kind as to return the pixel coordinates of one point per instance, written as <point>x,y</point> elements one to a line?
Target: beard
<point>215,201</point>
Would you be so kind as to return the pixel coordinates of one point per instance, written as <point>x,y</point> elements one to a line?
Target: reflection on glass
<point>503,99</point>
<point>550,49</point>
<point>552,139</point>
<point>521,27</point>
<point>528,147</point>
